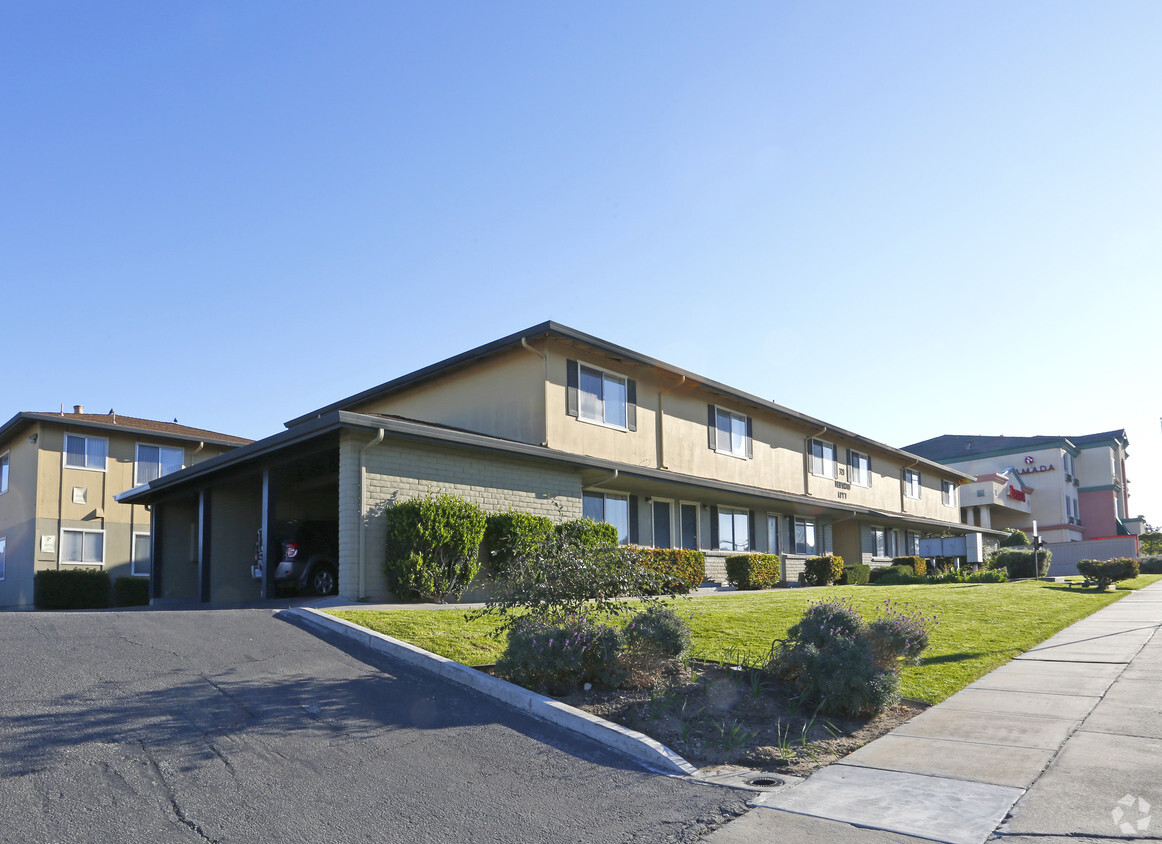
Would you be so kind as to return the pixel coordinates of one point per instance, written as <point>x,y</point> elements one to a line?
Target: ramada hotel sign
<point>1031,466</point>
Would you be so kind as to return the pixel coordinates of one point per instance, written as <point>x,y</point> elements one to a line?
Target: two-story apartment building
<point>560,423</point>
<point>1074,487</point>
<point>59,473</point>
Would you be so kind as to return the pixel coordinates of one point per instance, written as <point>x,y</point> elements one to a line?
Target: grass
<point>981,626</point>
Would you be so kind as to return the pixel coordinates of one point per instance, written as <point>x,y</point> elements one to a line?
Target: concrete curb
<point>653,754</point>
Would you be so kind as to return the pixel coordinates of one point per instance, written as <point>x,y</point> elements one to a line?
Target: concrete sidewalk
<point>1064,741</point>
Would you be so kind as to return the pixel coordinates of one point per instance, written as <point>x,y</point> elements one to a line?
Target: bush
<point>587,533</point>
<point>856,575</point>
<point>658,631</point>
<point>988,576</point>
<point>918,565</point>
<point>509,534</point>
<point>71,589</point>
<point>1150,565</point>
<point>1019,563</point>
<point>1109,571</point>
<point>822,621</point>
<point>557,656</point>
<point>131,591</point>
<point>753,571</point>
<point>680,569</point>
<point>894,576</point>
<point>901,632</point>
<point>1015,539</point>
<point>822,571</point>
<point>433,547</point>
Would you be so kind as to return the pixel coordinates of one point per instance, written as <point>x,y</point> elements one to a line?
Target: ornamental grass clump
<point>847,667</point>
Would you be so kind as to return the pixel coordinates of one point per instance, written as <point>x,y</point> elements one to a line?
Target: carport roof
<point>400,428</point>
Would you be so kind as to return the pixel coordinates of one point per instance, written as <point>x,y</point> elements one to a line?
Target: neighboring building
<point>59,473</point>
<point>559,423</point>
<point>1074,487</point>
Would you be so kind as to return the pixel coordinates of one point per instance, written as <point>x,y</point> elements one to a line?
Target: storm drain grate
<point>765,782</point>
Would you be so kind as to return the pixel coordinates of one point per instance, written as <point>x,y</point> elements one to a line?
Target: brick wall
<point>400,469</point>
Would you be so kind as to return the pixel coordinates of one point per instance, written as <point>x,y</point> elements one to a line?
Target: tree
<point>1150,543</point>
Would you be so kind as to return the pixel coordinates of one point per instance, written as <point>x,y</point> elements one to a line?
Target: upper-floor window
<point>804,534</point>
<point>911,483</point>
<point>596,395</point>
<point>730,432</point>
<point>858,468</point>
<point>153,461</point>
<point>733,529</point>
<point>4,472</point>
<point>822,458</point>
<point>1067,461</point>
<point>608,507</point>
<point>948,493</point>
<point>86,452</point>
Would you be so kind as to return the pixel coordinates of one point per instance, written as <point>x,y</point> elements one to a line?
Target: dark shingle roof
<point>112,421</point>
<point>954,447</point>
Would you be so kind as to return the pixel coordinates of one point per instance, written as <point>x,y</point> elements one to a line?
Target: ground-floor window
<point>733,530</point>
<point>608,507</point>
<point>141,558</point>
<point>83,546</point>
<point>893,543</point>
<point>912,543</point>
<point>879,542</point>
<point>805,537</point>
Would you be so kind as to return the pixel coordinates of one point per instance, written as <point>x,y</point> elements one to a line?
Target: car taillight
<point>292,548</point>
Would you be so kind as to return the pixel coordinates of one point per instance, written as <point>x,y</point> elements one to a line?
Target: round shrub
<point>901,632</point>
<point>559,656</point>
<point>844,679</point>
<point>587,533</point>
<point>1015,539</point>
<point>1018,563</point>
<point>509,534</point>
<point>822,571</point>
<point>824,621</point>
<point>660,631</point>
<point>433,547</point>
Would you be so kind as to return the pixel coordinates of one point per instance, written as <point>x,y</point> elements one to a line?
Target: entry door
<point>663,529</point>
<point>690,526</point>
<point>772,534</point>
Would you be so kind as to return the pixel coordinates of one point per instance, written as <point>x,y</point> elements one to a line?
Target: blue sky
<point>904,218</point>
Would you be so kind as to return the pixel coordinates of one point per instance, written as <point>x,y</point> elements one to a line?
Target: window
<point>606,507</point>
<point>1067,460</point>
<point>805,536</point>
<point>3,554</point>
<point>604,398</point>
<point>83,546</point>
<point>733,530</point>
<point>141,558</point>
<point>859,468</point>
<point>4,472</point>
<point>912,543</point>
<point>822,459</point>
<point>153,461</point>
<point>948,493</point>
<point>730,432</point>
<point>879,542</point>
<point>911,483</point>
<point>86,452</point>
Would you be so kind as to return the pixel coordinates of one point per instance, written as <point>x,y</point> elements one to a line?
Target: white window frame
<point>61,546</point>
<point>133,555</point>
<point>912,543</point>
<point>3,557</point>
<point>948,493</point>
<point>912,482</point>
<point>815,529</point>
<point>86,438</point>
<point>734,513</point>
<point>732,417</point>
<point>606,375</point>
<point>879,535</point>
<point>137,459</point>
<point>5,468</point>
<point>820,469</point>
<point>619,496</point>
<point>852,476</point>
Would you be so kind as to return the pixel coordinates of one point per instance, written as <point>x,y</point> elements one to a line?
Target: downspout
<point>362,517</point>
<point>807,459</point>
<point>662,426</point>
<point>201,445</point>
<point>545,390</point>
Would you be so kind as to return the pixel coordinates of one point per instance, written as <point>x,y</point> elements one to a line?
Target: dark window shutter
<point>750,520</point>
<point>631,404</point>
<point>712,428</point>
<point>633,517</point>
<point>713,521</point>
<point>749,438</point>
<point>572,378</point>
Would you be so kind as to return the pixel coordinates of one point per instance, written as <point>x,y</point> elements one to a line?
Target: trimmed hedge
<point>508,534</point>
<point>856,575</point>
<point>1018,563</point>
<point>71,589</point>
<point>1150,565</point>
<point>131,591</point>
<point>918,565</point>
<point>432,547</point>
<point>682,569</point>
<point>588,533</point>
<point>894,576</point>
<point>753,571</point>
<point>1106,572</point>
<point>822,571</point>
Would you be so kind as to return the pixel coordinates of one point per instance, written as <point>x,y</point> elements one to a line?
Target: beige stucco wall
<point>400,469</point>
<point>502,396</point>
<point>17,521</point>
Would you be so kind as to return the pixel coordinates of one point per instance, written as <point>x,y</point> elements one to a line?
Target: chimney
<point>78,408</point>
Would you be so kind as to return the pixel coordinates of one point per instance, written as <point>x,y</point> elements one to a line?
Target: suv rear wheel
<point>323,581</point>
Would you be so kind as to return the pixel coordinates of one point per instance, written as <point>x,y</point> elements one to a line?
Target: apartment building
<point>560,423</point>
<point>59,473</point>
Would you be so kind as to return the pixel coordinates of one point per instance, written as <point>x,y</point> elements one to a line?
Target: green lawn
<point>980,625</point>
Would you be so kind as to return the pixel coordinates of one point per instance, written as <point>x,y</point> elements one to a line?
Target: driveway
<point>235,725</point>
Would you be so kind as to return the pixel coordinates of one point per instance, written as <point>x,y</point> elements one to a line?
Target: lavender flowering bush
<point>900,632</point>
<point>559,655</point>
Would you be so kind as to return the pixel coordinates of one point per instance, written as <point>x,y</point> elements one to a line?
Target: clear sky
<point>904,218</point>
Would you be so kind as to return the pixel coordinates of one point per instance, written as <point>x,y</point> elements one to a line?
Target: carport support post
<point>204,545</point>
<point>269,552</point>
<point>155,529</point>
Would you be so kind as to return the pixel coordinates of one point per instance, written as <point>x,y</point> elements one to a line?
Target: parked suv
<point>309,550</point>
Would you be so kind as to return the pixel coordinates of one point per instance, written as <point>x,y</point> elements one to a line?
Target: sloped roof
<point>118,422</point>
<point>958,447</point>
